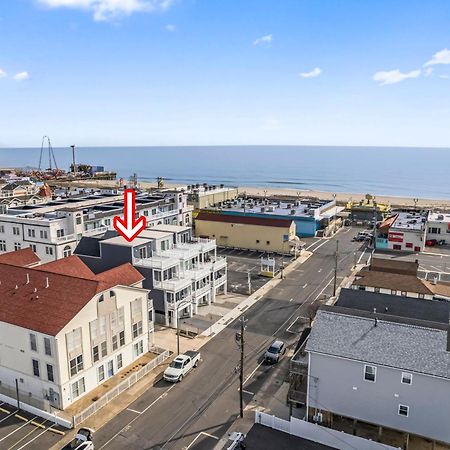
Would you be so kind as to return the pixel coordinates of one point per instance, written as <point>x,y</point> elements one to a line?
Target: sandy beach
<point>341,197</point>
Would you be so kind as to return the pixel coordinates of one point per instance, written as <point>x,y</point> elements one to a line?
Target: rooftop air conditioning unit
<point>440,217</point>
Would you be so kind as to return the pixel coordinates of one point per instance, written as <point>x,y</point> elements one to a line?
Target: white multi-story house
<point>53,230</point>
<point>183,273</point>
<point>438,226</point>
<point>65,330</point>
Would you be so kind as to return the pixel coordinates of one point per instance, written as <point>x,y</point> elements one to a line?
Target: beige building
<point>205,196</point>
<point>253,233</point>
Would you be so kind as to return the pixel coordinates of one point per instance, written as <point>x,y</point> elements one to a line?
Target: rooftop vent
<point>28,279</point>
<point>47,284</point>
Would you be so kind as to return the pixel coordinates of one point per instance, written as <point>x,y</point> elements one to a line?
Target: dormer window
<point>101,298</point>
<point>112,294</point>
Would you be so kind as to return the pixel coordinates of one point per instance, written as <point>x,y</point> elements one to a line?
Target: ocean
<point>406,172</point>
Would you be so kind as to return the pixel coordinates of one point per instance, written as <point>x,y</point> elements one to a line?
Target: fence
<point>121,387</point>
<point>318,433</point>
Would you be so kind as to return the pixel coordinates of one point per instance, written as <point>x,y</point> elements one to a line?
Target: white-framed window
<point>78,388</point>
<point>17,246</point>
<point>33,247</point>
<point>107,222</point>
<point>67,251</point>
<point>3,246</point>
<point>101,373</point>
<point>48,346</point>
<point>104,349</point>
<point>33,342</point>
<point>16,231</point>
<point>48,250</point>
<point>403,410</point>
<point>406,378</point>
<point>370,373</point>
<point>138,348</point>
<point>122,338</point>
<point>59,233</point>
<point>76,365</point>
<point>31,233</point>
<point>115,342</point>
<point>137,329</point>
<point>36,371</point>
<point>43,234</point>
<point>50,373</point>
<point>119,361</point>
<point>95,353</point>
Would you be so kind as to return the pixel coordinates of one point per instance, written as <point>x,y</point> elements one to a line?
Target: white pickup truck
<point>181,365</point>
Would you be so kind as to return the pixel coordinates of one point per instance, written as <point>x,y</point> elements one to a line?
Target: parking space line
<point>5,410</point>
<point>198,435</point>
<point>28,434</point>
<point>8,416</point>
<point>17,429</point>
<point>133,410</point>
<point>36,437</point>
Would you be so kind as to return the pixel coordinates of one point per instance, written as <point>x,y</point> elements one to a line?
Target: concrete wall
<point>254,237</point>
<point>210,198</point>
<point>338,385</point>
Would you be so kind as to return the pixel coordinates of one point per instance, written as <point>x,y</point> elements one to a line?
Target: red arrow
<point>129,227</point>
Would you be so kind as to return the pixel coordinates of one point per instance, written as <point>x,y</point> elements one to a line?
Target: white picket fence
<point>121,387</point>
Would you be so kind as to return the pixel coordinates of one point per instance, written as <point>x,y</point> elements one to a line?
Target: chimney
<point>46,283</point>
<point>28,279</point>
<point>17,287</point>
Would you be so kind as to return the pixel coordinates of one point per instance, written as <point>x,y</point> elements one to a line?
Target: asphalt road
<point>195,413</point>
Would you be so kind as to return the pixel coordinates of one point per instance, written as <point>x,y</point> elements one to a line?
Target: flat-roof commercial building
<point>389,371</point>
<point>64,329</point>
<point>205,196</point>
<point>309,216</point>
<point>54,229</point>
<point>248,232</point>
<point>438,227</point>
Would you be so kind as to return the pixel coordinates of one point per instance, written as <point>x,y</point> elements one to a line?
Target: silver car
<point>275,352</point>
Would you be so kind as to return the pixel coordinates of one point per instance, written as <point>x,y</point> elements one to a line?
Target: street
<point>197,412</point>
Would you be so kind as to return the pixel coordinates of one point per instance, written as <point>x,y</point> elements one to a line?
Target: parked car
<point>275,352</point>
<point>81,441</point>
<point>431,242</point>
<point>181,365</point>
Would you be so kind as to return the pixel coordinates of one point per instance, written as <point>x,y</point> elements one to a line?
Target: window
<point>417,249</point>
<point>78,220</point>
<point>434,230</point>
<point>267,242</point>
<point>50,374</point>
<point>403,410</point>
<point>137,329</point>
<point>122,338</point>
<point>31,233</point>
<point>370,373</point>
<point>406,378</point>
<point>2,228</point>
<point>257,241</point>
<point>114,342</point>
<point>67,251</point>
<point>76,365</point>
<point>59,233</point>
<point>95,354</point>
<point>104,349</point>
<point>119,361</point>
<point>43,234</point>
<point>33,342</point>
<point>49,250</point>
<point>17,245</point>
<point>16,231</point>
<point>138,348</point>
<point>3,246</point>
<point>78,388</point>
<point>101,373</point>
<point>397,247</point>
<point>107,222</point>
<point>409,245</point>
<point>33,247</point>
<point>47,346</point>
<point>421,295</point>
<point>36,372</point>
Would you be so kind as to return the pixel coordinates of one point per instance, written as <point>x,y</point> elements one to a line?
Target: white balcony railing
<point>202,291</point>
<point>172,285</point>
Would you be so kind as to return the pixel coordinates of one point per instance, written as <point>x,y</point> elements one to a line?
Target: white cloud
<point>428,71</point>
<point>267,39</point>
<point>21,76</point>
<point>445,76</point>
<point>314,73</point>
<point>2,73</point>
<point>441,57</point>
<point>394,76</point>
<point>170,27</point>
<point>109,9</point>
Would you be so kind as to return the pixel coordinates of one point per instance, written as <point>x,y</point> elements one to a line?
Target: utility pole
<point>74,167</point>
<point>241,341</point>
<point>249,281</point>
<point>375,217</point>
<point>335,267</point>
<point>17,393</point>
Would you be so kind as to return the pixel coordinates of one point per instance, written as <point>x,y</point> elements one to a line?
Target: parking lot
<point>19,429</point>
<point>241,263</point>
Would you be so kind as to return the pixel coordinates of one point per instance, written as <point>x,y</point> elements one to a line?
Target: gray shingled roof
<point>400,345</point>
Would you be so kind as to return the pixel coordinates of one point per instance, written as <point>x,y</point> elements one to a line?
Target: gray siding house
<point>385,370</point>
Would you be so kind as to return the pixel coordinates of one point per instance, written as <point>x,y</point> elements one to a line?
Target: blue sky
<point>209,72</point>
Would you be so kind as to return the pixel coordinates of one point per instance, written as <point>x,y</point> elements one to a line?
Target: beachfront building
<point>182,273</point>
<point>205,195</point>
<point>438,227</point>
<point>65,330</point>
<point>404,231</point>
<point>308,216</point>
<point>53,230</point>
<point>365,211</point>
<point>16,192</point>
<point>263,234</point>
<point>386,370</point>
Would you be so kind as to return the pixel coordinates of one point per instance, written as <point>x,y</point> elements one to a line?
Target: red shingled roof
<point>49,309</point>
<point>249,220</point>
<point>24,257</point>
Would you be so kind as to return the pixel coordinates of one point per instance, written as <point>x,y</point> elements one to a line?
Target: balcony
<point>202,291</point>
<point>156,262</point>
<point>172,285</point>
<point>219,281</point>
<point>219,263</point>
